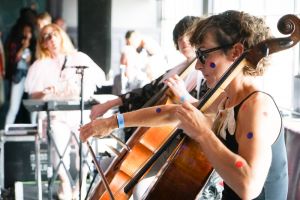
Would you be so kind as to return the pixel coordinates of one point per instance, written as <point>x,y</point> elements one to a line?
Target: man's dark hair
<point>181,27</point>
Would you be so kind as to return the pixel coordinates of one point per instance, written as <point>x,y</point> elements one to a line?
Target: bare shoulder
<point>259,112</point>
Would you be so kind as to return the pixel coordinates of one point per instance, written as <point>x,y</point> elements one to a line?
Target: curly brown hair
<point>232,27</point>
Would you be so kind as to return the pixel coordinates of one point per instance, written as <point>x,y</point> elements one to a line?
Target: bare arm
<point>100,109</point>
<point>42,94</point>
<point>246,171</point>
<point>147,117</point>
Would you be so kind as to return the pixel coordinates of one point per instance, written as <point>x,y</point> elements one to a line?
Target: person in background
<point>53,76</point>
<point>63,25</point>
<point>132,64</point>
<point>22,60</point>
<point>245,141</point>
<point>155,63</point>
<point>43,19</point>
<point>21,39</point>
<point>136,98</point>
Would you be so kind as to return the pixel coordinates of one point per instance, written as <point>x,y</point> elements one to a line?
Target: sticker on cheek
<point>158,110</point>
<point>250,135</point>
<point>212,65</point>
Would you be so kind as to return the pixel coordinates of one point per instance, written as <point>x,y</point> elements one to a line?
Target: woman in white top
<point>53,77</point>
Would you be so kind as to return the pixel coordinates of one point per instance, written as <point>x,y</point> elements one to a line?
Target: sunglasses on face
<point>202,54</point>
<point>48,36</point>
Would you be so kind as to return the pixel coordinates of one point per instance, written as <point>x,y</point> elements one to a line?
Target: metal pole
<point>49,169</point>
<point>38,166</point>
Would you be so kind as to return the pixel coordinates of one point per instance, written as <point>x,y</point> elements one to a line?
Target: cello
<point>187,169</point>
<point>129,162</point>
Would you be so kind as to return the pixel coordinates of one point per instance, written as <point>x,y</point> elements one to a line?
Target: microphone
<point>80,67</point>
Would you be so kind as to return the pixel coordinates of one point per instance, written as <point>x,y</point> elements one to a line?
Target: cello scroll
<point>288,24</point>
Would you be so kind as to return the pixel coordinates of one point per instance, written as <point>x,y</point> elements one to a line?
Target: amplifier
<point>18,155</point>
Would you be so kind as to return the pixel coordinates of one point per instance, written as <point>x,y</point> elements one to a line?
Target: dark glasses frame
<point>48,36</point>
<point>202,55</point>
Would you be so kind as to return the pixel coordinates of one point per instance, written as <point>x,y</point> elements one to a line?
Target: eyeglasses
<point>48,36</point>
<point>202,55</point>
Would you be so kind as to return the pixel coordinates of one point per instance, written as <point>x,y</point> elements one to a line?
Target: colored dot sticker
<point>221,183</point>
<point>158,110</point>
<point>244,107</point>
<point>239,164</point>
<point>212,65</point>
<point>182,99</point>
<point>265,113</point>
<point>250,135</point>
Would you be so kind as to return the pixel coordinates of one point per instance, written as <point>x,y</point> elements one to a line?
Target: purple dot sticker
<point>239,164</point>
<point>158,110</point>
<point>250,135</point>
<point>212,65</point>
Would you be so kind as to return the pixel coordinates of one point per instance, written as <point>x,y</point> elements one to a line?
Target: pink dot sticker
<point>265,114</point>
<point>239,164</point>
<point>221,183</point>
<point>244,107</point>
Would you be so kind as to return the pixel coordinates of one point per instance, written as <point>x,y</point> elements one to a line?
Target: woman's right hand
<point>49,90</point>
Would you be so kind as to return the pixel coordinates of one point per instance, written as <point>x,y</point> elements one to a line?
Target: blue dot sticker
<point>158,110</point>
<point>182,99</point>
<point>250,135</point>
<point>212,65</point>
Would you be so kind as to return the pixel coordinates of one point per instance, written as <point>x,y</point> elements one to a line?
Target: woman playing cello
<point>246,135</point>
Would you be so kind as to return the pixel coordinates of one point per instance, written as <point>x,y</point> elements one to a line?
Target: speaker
<point>18,159</point>
<point>94,30</point>
<point>17,162</point>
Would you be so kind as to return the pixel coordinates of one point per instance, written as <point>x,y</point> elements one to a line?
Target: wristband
<point>182,99</point>
<point>120,119</point>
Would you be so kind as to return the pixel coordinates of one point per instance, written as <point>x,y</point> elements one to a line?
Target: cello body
<point>143,144</point>
<point>183,175</point>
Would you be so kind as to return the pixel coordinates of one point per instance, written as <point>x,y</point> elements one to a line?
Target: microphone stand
<point>80,70</point>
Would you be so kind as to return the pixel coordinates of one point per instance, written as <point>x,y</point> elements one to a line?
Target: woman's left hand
<point>99,128</point>
<point>177,85</point>
<point>192,121</point>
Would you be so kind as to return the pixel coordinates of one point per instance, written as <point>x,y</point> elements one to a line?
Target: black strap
<point>64,65</point>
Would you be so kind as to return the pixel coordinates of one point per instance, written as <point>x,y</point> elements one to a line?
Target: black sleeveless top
<point>276,184</point>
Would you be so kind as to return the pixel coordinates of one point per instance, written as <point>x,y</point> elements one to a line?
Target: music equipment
<point>54,105</point>
<point>22,158</point>
<point>58,105</point>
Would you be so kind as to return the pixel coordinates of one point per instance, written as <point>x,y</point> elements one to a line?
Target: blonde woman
<point>53,77</point>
